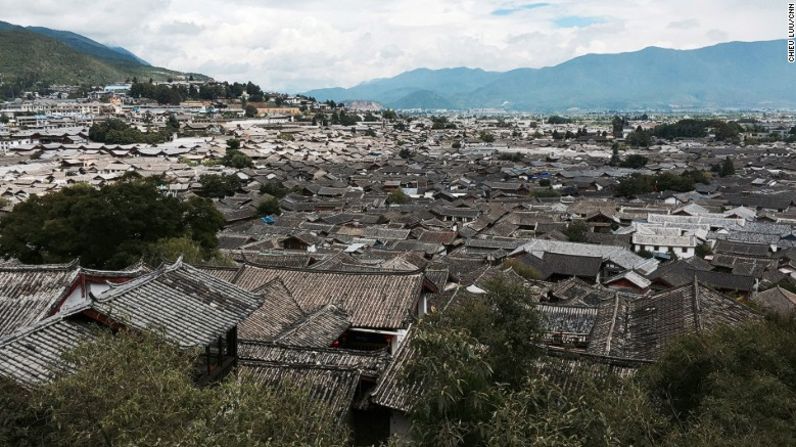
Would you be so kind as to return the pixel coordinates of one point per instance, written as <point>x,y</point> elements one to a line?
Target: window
<point>685,250</point>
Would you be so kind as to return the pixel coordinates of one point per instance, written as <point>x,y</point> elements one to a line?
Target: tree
<point>114,131</point>
<point>486,137</point>
<point>405,153</point>
<point>617,126</point>
<point>137,389</point>
<point>233,144</point>
<point>110,227</point>
<point>218,186</point>
<point>576,231</point>
<point>727,168</point>
<point>250,111</point>
<point>397,197</point>
<point>634,161</point>
<point>273,188</point>
<point>733,386</point>
<point>555,119</point>
<point>640,137</point>
<point>269,207</point>
<point>467,357</point>
<point>615,158</point>
<point>236,159</point>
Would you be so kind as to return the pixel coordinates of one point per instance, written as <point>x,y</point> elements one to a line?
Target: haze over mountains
<point>730,75</point>
<point>31,55</point>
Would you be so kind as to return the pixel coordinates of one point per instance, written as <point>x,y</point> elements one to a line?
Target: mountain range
<point>33,55</point>
<point>732,75</point>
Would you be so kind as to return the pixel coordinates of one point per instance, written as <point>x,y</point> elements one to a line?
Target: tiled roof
<point>333,386</point>
<point>34,355</point>
<point>278,311</point>
<point>28,293</point>
<point>191,307</point>
<point>384,299</point>
<point>368,363</point>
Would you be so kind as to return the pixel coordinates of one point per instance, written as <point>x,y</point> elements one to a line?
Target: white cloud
<point>302,44</point>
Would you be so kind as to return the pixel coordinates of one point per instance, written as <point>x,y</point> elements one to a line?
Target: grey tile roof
<point>318,329</point>
<point>34,355</point>
<point>29,293</point>
<point>277,313</point>
<point>333,386</point>
<point>368,363</point>
<point>384,299</point>
<point>191,307</point>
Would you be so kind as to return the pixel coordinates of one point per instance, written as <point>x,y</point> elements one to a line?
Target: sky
<point>297,45</point>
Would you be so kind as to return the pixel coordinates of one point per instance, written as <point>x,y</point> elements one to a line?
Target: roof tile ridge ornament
<point>613,324</point>
<point>132,284</point>
<point>697,310</point>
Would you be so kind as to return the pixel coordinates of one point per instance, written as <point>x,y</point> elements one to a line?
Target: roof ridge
<point>25,330</point>
<point>374,353</point>
<point>274,363</point>
<point>309,317</point>
<point>248,263</point>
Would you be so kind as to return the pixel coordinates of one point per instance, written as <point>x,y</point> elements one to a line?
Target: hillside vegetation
<point>28,59</point>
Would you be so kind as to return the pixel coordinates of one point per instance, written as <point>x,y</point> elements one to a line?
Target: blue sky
<point>519,8</point>
<point>576,21</point>
<point>298,45</point>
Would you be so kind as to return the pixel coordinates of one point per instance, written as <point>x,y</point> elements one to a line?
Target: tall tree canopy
<point>110,227</point>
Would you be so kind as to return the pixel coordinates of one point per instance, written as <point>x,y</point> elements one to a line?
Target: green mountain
<point>40,56</point>
<point>79,43</point>
<point>724,76</point>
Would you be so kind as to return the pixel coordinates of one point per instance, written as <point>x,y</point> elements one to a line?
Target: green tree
<point>617,126</point>
<point>556,119</point>
<point>634,161</point>
<point>219,186</point>
<point>136,389</point>
<point>397,197</point>
<point>250,111</point>
<point>640,137</point>
<point>576,231</point>
<point>727,168</point>
<point>274,188</point>
<point>615,157</point>
<point>733,386</point>
<point>269,207</point>
<point>110,227</point>
<point>236,159</point>
<point>486,137</point>
<point>114,131</point>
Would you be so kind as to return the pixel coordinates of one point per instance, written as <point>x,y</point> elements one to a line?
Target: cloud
<point>684,24</point>
<point>180,27</point>
<point>519,8</point>
<point>303,44</point>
